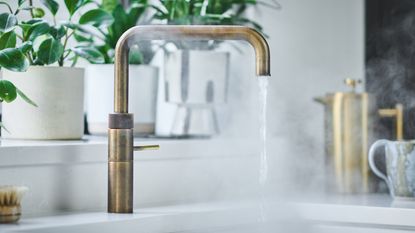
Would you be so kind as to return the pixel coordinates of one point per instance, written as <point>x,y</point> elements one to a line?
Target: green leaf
<point>135,12</point>
<point>120,25</point>
<point>8,91</point>
<point>90,54</point>
<point>37,30</point>
<point>8,40</point>
<point>107,52</point>
<point>135,55</point>
<point>25,98</point>
<point>39,40</point>
<point>49,51</point>
<point>57,32</point>
<point>73,5</point>
<point>26,25</point>
<point>33,21</point>
<point>97,18</point>
<point>38,12</point>
<point>52,5</point>
<point>7,22</point>
<point>25,47</point>
<point>24,8</point>
<point>13,59</point>
<point>21,2</point>
<point>109,5</point>
<point>80,37</point>
<point>75,27</point>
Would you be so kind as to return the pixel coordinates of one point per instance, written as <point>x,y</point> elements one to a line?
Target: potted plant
<point>196,73</point>
<point>143,77</point>
<point>11,58</point>
<point>51,80</point>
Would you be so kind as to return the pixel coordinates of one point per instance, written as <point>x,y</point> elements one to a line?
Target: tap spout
<point>173,32</point>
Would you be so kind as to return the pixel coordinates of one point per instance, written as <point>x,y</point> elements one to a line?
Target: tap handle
<point>146,147</point>
<point>396,112</point>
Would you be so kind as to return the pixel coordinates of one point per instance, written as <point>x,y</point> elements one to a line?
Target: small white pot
<point>195,81</point>
<point>143,81</point>
<point>59,94</point>
<point>196,77</point>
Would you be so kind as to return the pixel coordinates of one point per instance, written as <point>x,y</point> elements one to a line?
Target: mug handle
<point>372,154</point>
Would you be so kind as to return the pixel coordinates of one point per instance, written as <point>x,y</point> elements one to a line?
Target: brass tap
<point>120,139</point>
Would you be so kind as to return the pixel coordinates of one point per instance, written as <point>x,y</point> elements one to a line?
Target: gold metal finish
<point>352,83</point>
<point>348,132</point>
<point>347,135</point>
<point>120,145</point>
<point>120,140</point>
<point>147,147</point>
<point>173,32</point>
<point>120,170</point>
<point>396,112</point>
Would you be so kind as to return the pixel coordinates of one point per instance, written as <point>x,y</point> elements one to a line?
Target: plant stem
<point>20,37</point>
<point>31,9</point>
<point>8,6</point>
<point>101,37</point>
<point>29,57</point>
<point>102,32</point>
<point>67,36</point>
<point>65,43</point>
<point>75,59</point>
<point>67,54</point>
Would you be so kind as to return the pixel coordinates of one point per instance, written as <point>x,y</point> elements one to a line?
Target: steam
<point>390,68</point>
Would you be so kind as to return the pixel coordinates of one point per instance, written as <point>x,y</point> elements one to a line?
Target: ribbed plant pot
<point>196,81</point>
<point>59,94</point>
<point>143,82</point>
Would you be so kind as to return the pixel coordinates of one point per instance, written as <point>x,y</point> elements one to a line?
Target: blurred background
<point>331,61</point>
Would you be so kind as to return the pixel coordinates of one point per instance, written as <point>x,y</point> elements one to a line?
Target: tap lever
<point>146,147</point>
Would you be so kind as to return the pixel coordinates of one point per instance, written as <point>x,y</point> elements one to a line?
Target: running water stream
<point>263,170</point>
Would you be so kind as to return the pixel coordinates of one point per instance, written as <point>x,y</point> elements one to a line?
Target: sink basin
<point>366,214</point>
<point>200,218</point>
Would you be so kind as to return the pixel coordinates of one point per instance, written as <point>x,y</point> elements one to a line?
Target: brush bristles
<point>11,195</point>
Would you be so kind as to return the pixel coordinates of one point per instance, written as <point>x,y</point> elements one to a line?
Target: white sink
<point>370,214</point>
<point>186,218</point>
<point>195,218</point>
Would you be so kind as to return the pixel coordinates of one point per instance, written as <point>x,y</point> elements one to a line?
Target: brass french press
<point>349,118</point>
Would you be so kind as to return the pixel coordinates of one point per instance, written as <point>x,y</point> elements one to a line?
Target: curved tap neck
<point>173,32</point>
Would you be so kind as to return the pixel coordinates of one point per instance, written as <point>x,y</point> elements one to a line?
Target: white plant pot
<point>59,94</point>
<point>143,82</point>
<point>196,77</point>
<point>195,81</point>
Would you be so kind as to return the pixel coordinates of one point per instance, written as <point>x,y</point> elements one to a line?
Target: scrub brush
<point>10,198</point>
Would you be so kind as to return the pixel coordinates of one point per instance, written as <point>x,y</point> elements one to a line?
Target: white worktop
<point>378,210</point>
<point>367,212</point>
<point>175,218</point>
<point>94,149</point>
<point>179,168</point>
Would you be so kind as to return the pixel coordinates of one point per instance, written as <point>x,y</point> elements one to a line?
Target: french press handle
<point>396,112</point>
